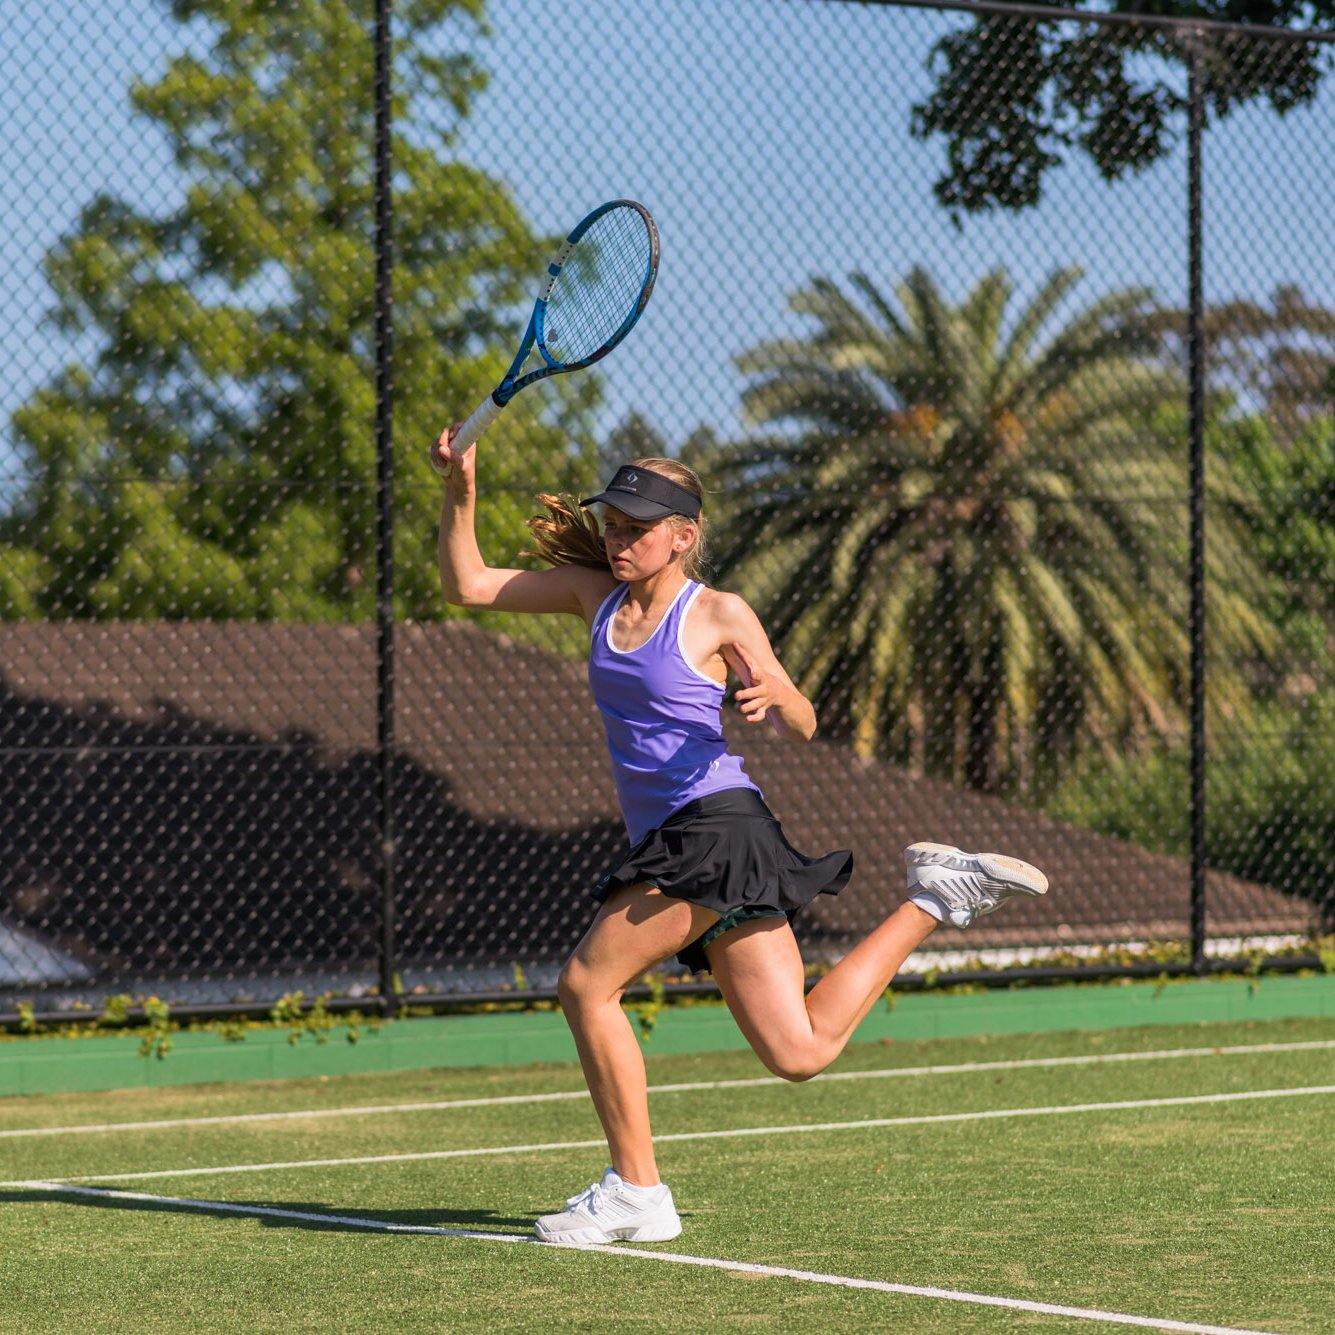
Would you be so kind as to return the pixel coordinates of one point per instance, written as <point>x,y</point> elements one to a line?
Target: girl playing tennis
<point>709,876</point>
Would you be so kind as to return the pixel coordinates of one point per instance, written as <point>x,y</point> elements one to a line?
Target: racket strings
<point>600,286</point>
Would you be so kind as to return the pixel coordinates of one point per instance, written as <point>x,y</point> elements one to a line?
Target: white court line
<point>379,1109</point>
<point>798,1129</point>
<point>632,1252</point>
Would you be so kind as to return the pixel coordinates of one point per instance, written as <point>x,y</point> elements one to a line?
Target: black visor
<point>647,495</point>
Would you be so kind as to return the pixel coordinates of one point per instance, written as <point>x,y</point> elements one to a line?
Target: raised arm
<point>465,578</point>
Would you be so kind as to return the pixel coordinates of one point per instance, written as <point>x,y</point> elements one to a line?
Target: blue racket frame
<point>489,409</point>
<point>512,382</point>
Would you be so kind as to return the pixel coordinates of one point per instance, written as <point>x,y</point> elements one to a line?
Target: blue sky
<point>768,137</point>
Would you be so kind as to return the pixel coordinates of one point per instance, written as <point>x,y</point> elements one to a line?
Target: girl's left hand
<point>765,691</point>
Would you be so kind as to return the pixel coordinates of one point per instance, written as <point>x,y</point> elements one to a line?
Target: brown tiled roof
<point>248,751</point>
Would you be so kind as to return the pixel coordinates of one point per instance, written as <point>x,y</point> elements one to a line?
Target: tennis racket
<point>597,285</point>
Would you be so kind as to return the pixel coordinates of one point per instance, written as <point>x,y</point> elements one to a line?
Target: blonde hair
<point>568,534</point>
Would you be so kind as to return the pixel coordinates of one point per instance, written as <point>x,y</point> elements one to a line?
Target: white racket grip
<point>486,413</point>
<point>483,416</point>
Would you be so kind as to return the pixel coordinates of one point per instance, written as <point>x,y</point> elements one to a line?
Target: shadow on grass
<point>318,1217</point>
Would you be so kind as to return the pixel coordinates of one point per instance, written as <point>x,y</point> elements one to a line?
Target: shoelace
<point>588,1197</point>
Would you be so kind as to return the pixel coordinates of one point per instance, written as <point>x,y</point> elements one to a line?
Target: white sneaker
<point>613,1211</point>
<point>957,887</point>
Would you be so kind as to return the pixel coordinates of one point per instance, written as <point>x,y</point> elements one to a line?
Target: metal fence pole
<point>384,242</point>
<point>1196,486</point>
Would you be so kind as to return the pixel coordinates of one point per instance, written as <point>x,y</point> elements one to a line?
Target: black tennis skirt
<point>726,851</point>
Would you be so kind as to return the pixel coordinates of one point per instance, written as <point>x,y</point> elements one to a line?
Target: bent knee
<point>571,982</point>
<point>796,1066</point>
<point>578,985</point>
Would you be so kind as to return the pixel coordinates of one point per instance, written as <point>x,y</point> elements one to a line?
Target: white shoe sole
<point>1024,876</point>
<point>656,1232</point>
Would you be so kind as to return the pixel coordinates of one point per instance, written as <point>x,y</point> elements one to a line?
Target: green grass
<point>1213,1213</point>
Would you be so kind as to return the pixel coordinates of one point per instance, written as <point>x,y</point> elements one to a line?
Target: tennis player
<point>709,876</point>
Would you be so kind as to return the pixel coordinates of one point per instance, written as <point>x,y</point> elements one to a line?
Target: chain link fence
<point>924,326</point>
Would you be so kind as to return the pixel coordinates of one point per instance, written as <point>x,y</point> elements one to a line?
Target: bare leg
<point>635,929</point>
<point>840,1001</point>
<point>759,971</point>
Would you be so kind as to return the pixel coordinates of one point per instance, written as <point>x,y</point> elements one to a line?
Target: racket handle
<point>483,416</point>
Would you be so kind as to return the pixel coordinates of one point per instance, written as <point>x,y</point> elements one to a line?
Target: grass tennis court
<point>1212,1213</point>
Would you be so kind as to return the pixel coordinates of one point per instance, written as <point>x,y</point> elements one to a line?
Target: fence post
<point>384,331</point>
<point>1196,352</point>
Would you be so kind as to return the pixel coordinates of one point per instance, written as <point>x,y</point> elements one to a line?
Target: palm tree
<point>968,536</point>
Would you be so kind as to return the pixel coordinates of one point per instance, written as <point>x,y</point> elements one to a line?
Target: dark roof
<point>248,750</point>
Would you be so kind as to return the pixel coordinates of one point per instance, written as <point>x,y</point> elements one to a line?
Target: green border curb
<point>56,1065</point>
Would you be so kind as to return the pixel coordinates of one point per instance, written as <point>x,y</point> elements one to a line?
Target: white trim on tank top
<point>681,648</point>
<point>607,625</point>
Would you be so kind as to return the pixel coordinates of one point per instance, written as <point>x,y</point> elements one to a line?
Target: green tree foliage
<point>1270,805</point>
<point>967,532</point>
<point>1014,97</point>
<point>1270,808</point>
<point>1290,515</point>
<point>1275,358</point>
<point>215,456</point>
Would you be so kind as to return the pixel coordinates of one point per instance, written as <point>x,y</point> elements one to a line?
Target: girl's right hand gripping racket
<point>598,283</point>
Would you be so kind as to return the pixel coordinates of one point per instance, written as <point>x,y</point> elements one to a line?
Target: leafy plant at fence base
<point>292,1012</point>
<point>158,1029</point>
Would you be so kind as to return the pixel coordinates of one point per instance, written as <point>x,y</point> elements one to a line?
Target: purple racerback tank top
<point>661,716</point>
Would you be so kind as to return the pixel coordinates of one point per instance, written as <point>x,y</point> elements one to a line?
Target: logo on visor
<point>632,477</point>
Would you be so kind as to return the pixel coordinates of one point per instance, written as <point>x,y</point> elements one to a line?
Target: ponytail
<point>568,534</point>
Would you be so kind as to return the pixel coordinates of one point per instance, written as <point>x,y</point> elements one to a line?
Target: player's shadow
<point>312,1215</point>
